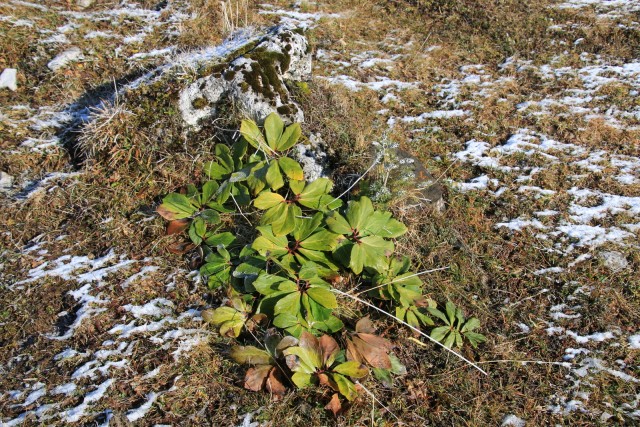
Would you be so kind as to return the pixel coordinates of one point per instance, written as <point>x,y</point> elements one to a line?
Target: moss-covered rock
<point>255,81</point>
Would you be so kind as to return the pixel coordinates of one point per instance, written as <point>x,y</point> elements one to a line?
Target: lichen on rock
<point>254,82</point>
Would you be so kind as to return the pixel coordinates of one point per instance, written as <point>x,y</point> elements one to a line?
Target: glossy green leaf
<point>250,355</point>
<point>323,240</point>
<point>273,127</point>
<point>178,205</point>
<point>289,137</point>
<point>338,224</point>
<point>267,200</point>
<point>351,369</point>
<point>250,131</point>
<point>274,176</point>
<point>324,297</point>
<point>291,168</point>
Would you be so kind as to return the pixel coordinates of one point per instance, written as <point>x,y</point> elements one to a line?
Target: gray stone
<point>84,3</point>
<point>312,157</point>
<point>9,79</point>
<point>614,261</point>
<point>63,59</point>
<point>255,82</point>
<point>6,181</point>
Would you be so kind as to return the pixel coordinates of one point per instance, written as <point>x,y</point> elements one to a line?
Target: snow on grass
<point>74,414</point>
<point>139,413</point>
<point>295,18</point>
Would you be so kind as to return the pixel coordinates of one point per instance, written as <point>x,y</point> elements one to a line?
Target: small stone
<point>6,181</point>
<point>9,79</point>
<point>614,261</point>
<point>64,58</point>
<point>84,3</point>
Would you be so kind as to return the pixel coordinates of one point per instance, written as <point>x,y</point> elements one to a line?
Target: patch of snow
<point>74,414</point>
<point>63,59</point>
<point>158,307</point>
<point>66,389</point>
<point>139,413</point>
<point>513,421</point>
<point>9,79</point>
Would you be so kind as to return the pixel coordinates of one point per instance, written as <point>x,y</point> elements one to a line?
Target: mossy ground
<point>137,151</point>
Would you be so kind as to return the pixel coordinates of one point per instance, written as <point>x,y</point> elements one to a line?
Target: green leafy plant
<point>320,361</point>
<point>365,230</point>
<point>456,327</point>
<point>286,272</point>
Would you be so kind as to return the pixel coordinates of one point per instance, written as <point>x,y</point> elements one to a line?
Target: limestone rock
<point>255,82</point>
<point>312,157</point>
<point>6,181</point>
<point>63,59</point>
<point>83,4</point>
<point>9,79</point>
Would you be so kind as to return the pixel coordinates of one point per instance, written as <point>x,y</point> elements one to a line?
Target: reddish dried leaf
<point>255,378</point>
<point>274,383</point>
<point>329,347</point>
<point>309,342</point>
<point>370,348</point>
<point>365,325</point>
<point>177,226</point>
<point>352,352</point>
<point>334,404</point>
<point>180,248</point>
<point>326,380</point>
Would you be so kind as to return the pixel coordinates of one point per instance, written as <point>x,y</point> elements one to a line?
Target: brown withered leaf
<point>255,320</point>
<point>326,380</point>
<point>274,383</point>
<point>365,325</point>
<point>177,226</point>
<point>329,348</point>
<point>365,346</point>
<point>180,248</point>
<point>255,378</point>
<point>334,404</point>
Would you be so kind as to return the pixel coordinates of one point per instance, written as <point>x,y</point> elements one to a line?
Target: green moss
<point>229,75</point>
<point>285,110</point>
<point>199,103</point>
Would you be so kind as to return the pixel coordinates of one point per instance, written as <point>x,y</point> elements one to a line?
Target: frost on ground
<point>123,324</point>
<point>88,372</point>
<point>575,219</point>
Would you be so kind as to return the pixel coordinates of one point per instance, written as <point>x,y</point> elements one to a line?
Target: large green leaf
<point>338,224</point>
<point>351,369</point>
<point>289,137</point>
<point>323,297</point>
<point>273,127</point>
<point>288,304</point>
<point>345,386</point>
<point>267,200</point>
<point>176,206</point>
<point>306,226</point>
<point>358,213</point>
<point>274,176</point>
<point>381,224</point>
<point>269,284</point>
<point>250,131</point>
<point>323,240</point>
<point>251,355</point>
<point>291,168</point>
